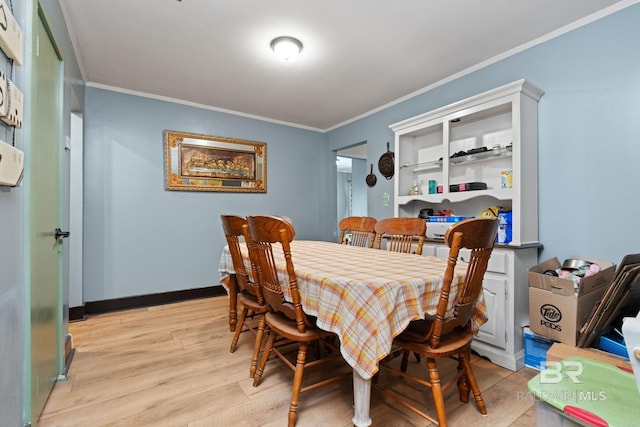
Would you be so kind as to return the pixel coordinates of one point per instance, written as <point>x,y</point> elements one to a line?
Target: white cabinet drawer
<point>429,250</point>
<point>442,251</point>
<point>498,263</point>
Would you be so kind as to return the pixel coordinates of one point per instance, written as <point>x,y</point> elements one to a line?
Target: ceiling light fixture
<point>286,48</point>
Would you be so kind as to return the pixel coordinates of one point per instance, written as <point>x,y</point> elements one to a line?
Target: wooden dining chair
<point>249,292</point>
<point>401,234</point>
<point>287,319</point>
<point>361,229</point>
<point>448,334</point>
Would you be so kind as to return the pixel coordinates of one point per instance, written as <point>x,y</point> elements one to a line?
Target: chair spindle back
<point>264,233</point>
<point>479,236</point>
<point>361,228</point>
<point>401,234</point>
<point>233,225</point>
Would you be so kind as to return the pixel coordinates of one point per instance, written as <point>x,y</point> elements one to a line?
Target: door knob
<point>59,233</point>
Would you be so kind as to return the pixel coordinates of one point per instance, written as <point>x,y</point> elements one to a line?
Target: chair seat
<point>251,302</point>
<point>287,328</point>
<point>417,329</point>
<point>450,344</point>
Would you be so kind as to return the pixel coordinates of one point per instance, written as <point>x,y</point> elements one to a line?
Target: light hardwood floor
<point>170,366</point>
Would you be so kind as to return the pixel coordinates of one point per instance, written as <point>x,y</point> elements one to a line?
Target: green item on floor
<point>593,392</point>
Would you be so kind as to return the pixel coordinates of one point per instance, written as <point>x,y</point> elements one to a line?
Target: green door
<point>45,256</point>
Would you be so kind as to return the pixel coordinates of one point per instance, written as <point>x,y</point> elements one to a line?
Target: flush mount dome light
<point>286,48</point>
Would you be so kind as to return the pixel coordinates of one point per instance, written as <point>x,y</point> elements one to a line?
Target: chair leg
<point>473,383</point>
<point>233,303</point>
<point>376,377</point>
<point>256,346</point>
<point>463,382</point>
<point>436,389</point>
<point>265,356</point>
<point>318,349</point>
<point>297,383</point>
<point>239,327</point>
<point>405,361</point>
<point>331,339</point>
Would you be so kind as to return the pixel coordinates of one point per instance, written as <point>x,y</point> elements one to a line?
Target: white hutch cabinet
<point>488,141</point>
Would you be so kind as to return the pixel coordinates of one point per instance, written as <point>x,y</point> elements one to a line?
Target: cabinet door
<point>493,332</point>
<point>495,283</point>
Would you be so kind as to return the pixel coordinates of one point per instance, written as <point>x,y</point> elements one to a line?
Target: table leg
<point>362,400</point>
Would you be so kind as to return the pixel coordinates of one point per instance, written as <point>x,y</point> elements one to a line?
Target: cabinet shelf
<point>422,167</point>
<point>456,196</point>
<point>456,161</point>
<point>479,157</point>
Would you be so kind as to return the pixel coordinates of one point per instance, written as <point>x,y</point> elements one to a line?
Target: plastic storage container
<point>581,391</point>
<point>535,349</point>
<point>614,344</point>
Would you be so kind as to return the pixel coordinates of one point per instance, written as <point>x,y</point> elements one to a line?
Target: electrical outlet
<point>11,40</point>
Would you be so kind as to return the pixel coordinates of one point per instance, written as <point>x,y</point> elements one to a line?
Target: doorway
<point>351,166</point>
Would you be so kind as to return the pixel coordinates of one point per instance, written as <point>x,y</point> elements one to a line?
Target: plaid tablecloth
<point>365,296</point>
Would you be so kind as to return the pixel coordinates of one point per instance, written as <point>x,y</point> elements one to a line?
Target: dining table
<point>365,296</point>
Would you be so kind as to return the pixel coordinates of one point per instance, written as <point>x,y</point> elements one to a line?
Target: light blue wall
<point>141,239</point>
<point>589,134</point>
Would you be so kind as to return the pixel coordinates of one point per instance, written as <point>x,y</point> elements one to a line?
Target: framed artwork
<point>211,163</point>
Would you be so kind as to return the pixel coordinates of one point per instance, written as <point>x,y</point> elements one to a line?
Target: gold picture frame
<point>196,162</point>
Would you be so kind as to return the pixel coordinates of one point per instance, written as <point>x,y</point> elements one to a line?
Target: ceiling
<point>359,55</point>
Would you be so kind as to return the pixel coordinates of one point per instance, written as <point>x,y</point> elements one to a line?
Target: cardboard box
<point>560,351</point>
<point>555,310</point>
<point>535,349</point>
